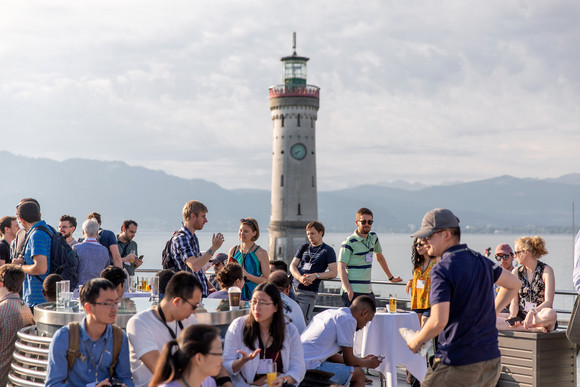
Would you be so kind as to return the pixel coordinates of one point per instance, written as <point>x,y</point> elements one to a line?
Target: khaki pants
<point>481,374</point>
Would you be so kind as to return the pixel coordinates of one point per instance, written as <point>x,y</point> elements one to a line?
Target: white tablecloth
<point>381,337</point>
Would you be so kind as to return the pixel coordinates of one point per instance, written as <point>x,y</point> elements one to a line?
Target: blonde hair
<point>535,245</point>
<point>193,207</point>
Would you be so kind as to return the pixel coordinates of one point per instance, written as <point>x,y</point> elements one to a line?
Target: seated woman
<point>198,357</point>
<point>532,308</point>
<point>231,275</point>
<point>262,336</point>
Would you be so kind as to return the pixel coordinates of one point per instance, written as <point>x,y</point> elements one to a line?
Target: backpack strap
<point>117,344</point>
<point>74,342</point>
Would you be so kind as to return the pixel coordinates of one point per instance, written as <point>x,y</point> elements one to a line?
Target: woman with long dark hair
<point>420,284</point>
<point>190,360</point>
<point>261,337</point>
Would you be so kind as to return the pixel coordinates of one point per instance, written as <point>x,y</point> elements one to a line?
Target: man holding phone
<point>128,247</point>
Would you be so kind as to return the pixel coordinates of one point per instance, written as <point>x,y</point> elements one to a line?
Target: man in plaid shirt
<point>185,250</point>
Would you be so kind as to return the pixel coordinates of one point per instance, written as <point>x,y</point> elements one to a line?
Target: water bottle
<point>408,334</point>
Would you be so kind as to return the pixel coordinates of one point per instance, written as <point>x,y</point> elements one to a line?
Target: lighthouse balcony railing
<point>309,91</point>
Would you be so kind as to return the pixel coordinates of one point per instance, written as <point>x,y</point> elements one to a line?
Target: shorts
<point>342,373</point>
<point>424,312</point>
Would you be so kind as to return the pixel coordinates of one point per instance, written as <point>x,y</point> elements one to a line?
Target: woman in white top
<point>261,337</point>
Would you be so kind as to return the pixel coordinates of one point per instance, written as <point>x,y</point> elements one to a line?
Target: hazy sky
<point>426,91</point>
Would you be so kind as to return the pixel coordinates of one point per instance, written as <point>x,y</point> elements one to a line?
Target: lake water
<point>397,250</point>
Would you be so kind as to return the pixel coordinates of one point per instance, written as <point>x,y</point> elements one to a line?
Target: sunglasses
<point>505,257</point>
<point>364,222</point>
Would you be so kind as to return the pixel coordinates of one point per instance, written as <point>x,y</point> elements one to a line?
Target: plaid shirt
<point>185,244</point>
<point>14,315</point>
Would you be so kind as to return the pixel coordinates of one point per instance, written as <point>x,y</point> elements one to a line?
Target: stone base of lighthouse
<point>285,239</point>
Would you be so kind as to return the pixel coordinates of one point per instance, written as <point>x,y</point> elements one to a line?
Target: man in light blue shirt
<point>91,368</point>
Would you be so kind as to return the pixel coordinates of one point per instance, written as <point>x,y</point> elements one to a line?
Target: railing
<point>309,91</point>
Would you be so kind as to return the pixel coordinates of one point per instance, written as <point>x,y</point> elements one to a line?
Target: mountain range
<point>155,199</point>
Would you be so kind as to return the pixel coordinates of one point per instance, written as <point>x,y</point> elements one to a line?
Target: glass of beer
<point>392,303</point>
<point>144,284</point>
<point>272,375</point>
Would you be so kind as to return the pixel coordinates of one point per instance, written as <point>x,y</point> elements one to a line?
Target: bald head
<point>280,280</point>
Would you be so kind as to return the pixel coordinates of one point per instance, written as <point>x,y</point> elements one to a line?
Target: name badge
<point>307,266</point>
<point>529,306</point>
<point>94,384</point>
<point>420,284</point>
<point>369,257</point>
<point>263,366</point>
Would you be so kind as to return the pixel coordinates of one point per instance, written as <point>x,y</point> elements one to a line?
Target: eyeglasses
<point>260,303</point>
<point>246,221</point>
<point>419,244</point>
<point>505,257</point>
<point>431,236</point>
<point>110,305</point>
<point>193,307</point>
<point>215,353</point>
<point>363,222</point>
<point>519,251</point>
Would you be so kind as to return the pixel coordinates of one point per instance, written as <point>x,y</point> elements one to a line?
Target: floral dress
<point>533,292</point>
<point>420,297</point>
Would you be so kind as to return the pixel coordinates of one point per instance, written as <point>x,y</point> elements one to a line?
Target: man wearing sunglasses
<point>356,257</point>
<point>150,330</point>
<point>505,256</point>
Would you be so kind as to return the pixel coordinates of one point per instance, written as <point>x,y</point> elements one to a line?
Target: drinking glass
<point>154,287</point>
<point>392,303</point>
<point>62,287</point>
<point>272,375</point>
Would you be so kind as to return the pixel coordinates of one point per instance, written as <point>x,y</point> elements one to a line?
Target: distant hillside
<point>155,199</point>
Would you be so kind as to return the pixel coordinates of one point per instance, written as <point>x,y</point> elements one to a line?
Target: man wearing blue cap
<point>462,307</point>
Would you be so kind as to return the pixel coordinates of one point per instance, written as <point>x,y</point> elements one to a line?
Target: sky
<point>421,91</point>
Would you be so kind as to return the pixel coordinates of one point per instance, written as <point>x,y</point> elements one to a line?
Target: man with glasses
<point>91,367</point>
<point>150,330</point>
<point>218,263</point>
<point>462,307</point>
<point>67,226</point>
<point>356,258</point>
<point>505,256</point>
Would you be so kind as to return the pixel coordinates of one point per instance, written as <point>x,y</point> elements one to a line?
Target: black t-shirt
<point>5,251</point>
<point>318,257</point>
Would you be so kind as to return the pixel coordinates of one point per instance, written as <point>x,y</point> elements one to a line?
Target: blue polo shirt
<point>465,279</point>
<point>39,243</point>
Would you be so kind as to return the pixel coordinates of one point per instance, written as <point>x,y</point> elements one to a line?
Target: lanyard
<point>164,321</point>
<point>97,366</point>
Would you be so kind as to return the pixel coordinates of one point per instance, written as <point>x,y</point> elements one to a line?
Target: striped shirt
<point>184,244</point>
<point>39,243</point>
<point>14,315</point>
<point>357,253</point>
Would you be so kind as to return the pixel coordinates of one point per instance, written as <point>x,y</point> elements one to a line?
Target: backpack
<point>74,342</point>
<point>63,259</point>
<point>166,258</point>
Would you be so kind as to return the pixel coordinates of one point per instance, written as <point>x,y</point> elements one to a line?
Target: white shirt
<point>576,272</point>
<point>326,334</point>
<point>293,311</point>
<point>146,333</point>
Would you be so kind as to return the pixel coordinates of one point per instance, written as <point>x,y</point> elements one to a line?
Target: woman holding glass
<point>420,284</point>
<point>253,258</point>
<point>262,338</point>
<point>191,360</point>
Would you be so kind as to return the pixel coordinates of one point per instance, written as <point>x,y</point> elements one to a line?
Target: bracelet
<point>390,279</point>
<point>222,380</point>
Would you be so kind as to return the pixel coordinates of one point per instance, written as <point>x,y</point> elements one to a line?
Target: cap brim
<point>423,233</point>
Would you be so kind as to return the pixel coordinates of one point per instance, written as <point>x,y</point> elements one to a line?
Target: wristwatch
<point>210,251</point>
<point>318,275</point>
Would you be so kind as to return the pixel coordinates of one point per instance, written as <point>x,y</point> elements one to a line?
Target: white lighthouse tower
<point>294,108</point>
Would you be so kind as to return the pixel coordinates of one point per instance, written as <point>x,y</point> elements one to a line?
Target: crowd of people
<point>459,295</point>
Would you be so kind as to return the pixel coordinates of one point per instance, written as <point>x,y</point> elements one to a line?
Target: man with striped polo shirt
<point>356,257</point>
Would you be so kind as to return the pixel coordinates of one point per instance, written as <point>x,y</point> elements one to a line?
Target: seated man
<point>331,332</point>
<point>148,331</point>
<point>92,366</point>
<point>117,276</point>
<point>49,286</point>
<point>291,308</point>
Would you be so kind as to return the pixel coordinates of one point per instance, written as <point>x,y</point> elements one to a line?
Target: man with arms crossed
<point>148,331</point>
<point>309,267</point>
<point>356,259</point>
<point>332,332</point>
<point>185,245</point>
<point>462,307</point>
<point>91,368</point>
<point>14,315</point>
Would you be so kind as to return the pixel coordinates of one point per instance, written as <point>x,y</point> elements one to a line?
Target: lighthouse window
<point>313,182</point>
<point>298,120</point>
<point>312,122</point>
<point>282,119</point>
<point>299,212</point>
<point>281,180</point>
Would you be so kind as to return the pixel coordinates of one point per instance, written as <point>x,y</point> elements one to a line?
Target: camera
<point>116,383</point>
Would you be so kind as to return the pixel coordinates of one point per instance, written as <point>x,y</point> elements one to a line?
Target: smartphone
<point>141,258</point>
<point>512,321</point>
<point>381,357</point>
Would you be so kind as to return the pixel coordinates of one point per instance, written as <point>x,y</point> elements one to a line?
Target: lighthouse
<point>294,107</point>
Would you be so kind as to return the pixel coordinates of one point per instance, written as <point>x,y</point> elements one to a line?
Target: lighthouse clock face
<point>298,151</point>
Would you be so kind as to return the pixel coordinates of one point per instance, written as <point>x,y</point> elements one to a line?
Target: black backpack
<point>166,258</point>
<point>63,259</point>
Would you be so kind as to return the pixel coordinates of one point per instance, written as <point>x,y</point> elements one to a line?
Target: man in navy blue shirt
<point>463,308</point>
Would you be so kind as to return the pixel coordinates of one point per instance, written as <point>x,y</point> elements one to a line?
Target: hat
<point>221,257</point>
<point>504,248</point>
<point>436,219</point>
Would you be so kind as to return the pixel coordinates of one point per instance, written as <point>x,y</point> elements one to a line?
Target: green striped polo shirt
<point>353,252</point>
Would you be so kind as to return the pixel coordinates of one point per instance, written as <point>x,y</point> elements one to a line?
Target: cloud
<point>422,91</point>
